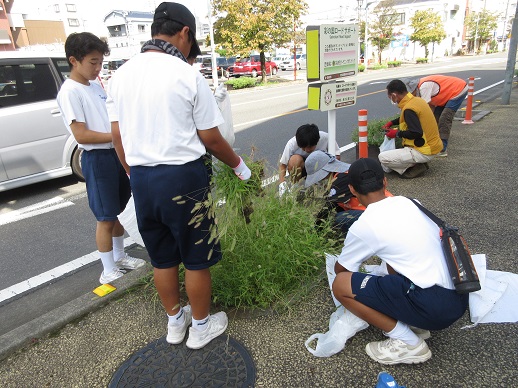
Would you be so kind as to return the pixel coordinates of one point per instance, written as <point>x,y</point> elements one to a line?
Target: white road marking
<point>34,210</point>
<point>52,274</point>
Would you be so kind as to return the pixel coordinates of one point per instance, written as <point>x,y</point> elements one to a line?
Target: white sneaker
<point>215,327</point>
<point>111,276</point>
<point>393,351</point>
<point>421,333</point>
<point>176,333</point>
<point>128,262</point>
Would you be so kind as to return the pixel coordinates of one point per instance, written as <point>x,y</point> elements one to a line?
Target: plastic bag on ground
<point>342,325</point>
<point>128,219</point>
<point>227,128</point>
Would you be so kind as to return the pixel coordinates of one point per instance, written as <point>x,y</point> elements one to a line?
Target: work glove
<point>242,171</point>
<point>283,187</point>
<point>391,133</point>
<point>220,93</point>
<point>387,125</point>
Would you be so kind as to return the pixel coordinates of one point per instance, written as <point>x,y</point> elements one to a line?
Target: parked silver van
<point>35,144</point>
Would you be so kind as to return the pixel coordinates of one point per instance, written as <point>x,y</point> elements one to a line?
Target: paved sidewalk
<point>473,188</point>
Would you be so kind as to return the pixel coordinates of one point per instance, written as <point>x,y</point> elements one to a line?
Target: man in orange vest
<point>444,94</point>
<point>418,131</point>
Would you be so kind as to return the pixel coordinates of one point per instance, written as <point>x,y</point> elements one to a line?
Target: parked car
<point>109,67</point>
<point>288,63</point>
<point>222,64</point>
<point>278,60</point>
<point>35,144</point>
<point>252,66</point>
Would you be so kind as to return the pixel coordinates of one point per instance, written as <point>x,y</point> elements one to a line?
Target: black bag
<point>457,255</point>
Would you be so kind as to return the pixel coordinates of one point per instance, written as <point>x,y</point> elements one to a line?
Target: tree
<point>428,28</point>
<point>382,29</point>
<point>247,25</point>
<point>480,26</point>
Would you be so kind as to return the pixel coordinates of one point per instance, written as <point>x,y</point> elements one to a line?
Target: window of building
<point>73,22</point>
<point>71,7</point>
<point>141,28</point>
<point>394,19</point>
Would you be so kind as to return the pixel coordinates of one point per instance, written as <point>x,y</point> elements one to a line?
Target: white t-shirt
<point>160,101</point>
<point>85,104</point>
<point>400,234</point>
<point>292,148</point>
<point>428,89</point>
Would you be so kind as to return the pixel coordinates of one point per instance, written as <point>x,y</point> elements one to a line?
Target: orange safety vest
<point>449,87</point>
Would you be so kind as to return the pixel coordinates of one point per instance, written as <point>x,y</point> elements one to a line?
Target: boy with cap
<point>83,106</point>
<point>306,140</point>
<point>164,119</point>
<point>324,168</point>
<point>417,292</point>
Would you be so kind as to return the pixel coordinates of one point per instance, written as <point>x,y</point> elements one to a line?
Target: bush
<point>394,63</point>
<point>375,132</point>
<point>271,246</point>
<point>361,68</point>
<point>378,66</point>
<point>421,60</point>
<point>242,82</point>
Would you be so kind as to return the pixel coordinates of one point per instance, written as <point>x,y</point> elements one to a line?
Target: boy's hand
<point>242,171</point>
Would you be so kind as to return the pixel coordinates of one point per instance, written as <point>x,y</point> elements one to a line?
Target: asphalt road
<point>58,233</point>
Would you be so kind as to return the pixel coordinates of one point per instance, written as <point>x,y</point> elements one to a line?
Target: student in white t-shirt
<point>417,294</point>
<point>83,106</point>
<point>306,140</point>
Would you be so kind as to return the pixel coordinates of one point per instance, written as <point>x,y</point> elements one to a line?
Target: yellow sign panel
<point>331,95</point>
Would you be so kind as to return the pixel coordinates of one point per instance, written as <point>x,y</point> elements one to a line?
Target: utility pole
<point>511,61</point>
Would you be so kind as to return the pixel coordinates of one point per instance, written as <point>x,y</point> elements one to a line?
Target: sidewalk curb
<point>32,332</point>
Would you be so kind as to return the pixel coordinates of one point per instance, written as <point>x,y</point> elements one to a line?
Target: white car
<point>278,60</point>
<point>287,64</point>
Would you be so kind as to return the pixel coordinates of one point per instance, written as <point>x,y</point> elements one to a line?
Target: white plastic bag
<point>342,325</point>
<point>227,128</point>
<point>128,219</point>
<point>388,144</point>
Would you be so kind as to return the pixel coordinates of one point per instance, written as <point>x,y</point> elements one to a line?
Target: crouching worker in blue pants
<point>417,295</point>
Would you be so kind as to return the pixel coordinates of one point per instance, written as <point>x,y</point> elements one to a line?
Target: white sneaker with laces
<point>111,276</point>
<point>128,262</point>
<point>215,327</point>
<point>393,351</point>
<point>176,333</point>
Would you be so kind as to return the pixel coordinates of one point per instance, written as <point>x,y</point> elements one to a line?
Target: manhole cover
<point>224,362</point>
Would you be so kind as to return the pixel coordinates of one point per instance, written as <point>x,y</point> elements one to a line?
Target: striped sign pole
<point>362,134</point>
<point>469,104</point>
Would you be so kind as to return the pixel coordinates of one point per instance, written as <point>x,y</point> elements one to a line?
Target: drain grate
<point>224,362</point>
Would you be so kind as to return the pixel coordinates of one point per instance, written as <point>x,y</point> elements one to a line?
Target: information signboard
<point>331,95</point>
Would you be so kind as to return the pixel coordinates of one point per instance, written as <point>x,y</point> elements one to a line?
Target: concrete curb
<point>56,319</point>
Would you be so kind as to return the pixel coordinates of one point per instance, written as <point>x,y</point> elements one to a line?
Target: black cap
<point>366,175</point>
<point>181,14</point>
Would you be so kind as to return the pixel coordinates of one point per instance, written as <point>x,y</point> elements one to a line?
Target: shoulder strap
<point>430,215</point>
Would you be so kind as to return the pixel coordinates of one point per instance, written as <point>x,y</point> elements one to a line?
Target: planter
<point>372,150</point>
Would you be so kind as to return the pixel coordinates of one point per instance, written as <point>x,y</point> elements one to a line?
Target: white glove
<point>220,93</point>
<point>242,171</point>
<point>283,187</point>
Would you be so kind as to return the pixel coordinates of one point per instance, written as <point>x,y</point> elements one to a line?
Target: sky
<point>94,11</point>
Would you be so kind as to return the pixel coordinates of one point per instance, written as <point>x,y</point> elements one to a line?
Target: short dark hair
<point>307,135</point>
<point>166,27</point>
<point>397,86</point>
<point>80,44</point>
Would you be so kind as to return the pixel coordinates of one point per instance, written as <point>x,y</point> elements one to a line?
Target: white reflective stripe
<point>362,138</point>
<point>362,118</point>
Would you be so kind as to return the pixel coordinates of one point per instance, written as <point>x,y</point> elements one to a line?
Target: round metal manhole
<point>224,362</point>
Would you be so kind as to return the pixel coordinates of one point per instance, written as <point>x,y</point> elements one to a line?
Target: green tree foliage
<point>247,25</point>
<point>383,28</point>
<point>428,28</point>
<point>480,27</point>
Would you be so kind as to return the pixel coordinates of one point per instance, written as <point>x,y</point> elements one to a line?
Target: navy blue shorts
<point>433,308</point>
<point>107,184</point>
<point>165,224</point>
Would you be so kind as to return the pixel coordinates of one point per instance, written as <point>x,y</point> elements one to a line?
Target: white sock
<point>118,247</point>
<point>108,262</point>
<point>402,332</point>
<point>200,324</point>
<point>177,319</point>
